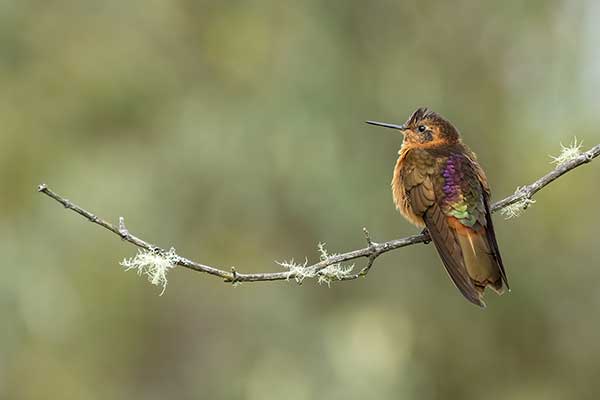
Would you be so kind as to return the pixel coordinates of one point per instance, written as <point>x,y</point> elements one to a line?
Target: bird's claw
<point>426,233</point>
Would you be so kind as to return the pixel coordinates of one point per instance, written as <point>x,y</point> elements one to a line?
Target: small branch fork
<point>371,252</point>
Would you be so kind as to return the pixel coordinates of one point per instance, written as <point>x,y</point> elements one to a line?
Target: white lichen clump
<point>154,265</point>
<point>298,271</point>
<point>326,275</point>
<point>567,153</point>
<point>334,271</point>
<point>516,209</point>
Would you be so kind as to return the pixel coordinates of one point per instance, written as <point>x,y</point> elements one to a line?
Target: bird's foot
<point>426,233</point>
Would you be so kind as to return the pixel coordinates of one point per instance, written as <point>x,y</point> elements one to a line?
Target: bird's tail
<point>478,257</point>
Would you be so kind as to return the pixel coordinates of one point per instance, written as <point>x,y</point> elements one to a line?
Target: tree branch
<point>328,268</point>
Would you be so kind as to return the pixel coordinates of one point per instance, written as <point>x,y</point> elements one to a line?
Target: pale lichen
<point>155,265</point>
<point>517,208</point>
<point>567,153</point>
<point>297,271</point>
<point>332,272</point>
<point>323,254</point>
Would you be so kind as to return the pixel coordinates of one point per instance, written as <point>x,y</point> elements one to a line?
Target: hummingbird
<point>439,185</point>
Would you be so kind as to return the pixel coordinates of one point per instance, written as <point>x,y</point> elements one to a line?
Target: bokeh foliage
<point>233,130</point>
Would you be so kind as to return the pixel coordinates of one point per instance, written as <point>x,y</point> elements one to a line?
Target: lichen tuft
<point>332,272</point>
<point>155,265</point>
<point>516,209</point>
<point>567,153</point>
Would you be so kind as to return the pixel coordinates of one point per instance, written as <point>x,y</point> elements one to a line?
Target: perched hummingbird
<point>438,184</point>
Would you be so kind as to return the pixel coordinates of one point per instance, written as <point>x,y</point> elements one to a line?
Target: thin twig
<point>371,252</point>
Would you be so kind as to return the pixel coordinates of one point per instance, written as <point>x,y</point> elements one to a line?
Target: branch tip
<point>122,228</point>
<point>368,237</point>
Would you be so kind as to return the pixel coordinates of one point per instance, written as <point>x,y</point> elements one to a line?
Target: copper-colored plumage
<point>438,184</point>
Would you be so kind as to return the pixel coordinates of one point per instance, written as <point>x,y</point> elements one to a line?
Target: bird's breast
<point>399,192</point>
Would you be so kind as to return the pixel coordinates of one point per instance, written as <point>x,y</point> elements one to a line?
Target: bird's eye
<point>422,128</point>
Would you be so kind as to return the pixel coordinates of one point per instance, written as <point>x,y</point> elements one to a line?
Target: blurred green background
<point>234,131</point>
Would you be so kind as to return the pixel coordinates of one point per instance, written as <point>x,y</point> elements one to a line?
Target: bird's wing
<point>490,234</point>
<point>478,170</point>
<point>420,181</point>
<point>448,247</point>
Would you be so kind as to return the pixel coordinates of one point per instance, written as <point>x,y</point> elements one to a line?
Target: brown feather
<point>455,210</point>
<point>451,254</point>
<point>470,255</point>
<point>491,237</point>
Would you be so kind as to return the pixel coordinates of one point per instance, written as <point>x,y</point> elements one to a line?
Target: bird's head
<point>425,128</point>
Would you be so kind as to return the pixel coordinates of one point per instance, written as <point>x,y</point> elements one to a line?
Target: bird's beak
<point>401,128</point>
